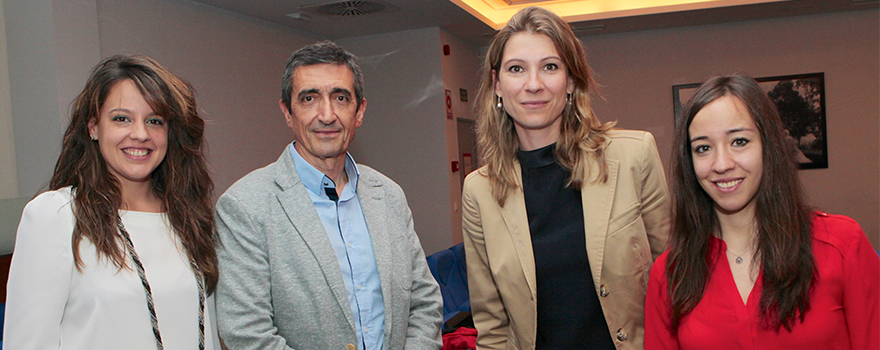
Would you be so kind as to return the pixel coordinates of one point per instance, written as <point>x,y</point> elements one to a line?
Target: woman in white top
<point>119,254</point>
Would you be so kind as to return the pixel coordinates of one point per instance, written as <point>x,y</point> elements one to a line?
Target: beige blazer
<point>626,221</point>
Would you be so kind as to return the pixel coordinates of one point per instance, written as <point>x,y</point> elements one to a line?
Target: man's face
<point>324,112</point>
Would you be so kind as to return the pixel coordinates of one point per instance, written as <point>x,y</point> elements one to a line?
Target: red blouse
<point>844,305</point>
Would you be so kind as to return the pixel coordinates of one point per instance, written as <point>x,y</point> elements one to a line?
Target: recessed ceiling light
<point>496,13</point>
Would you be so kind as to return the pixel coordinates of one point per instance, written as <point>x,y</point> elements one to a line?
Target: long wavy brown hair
<point>782,216</point>
<point>181,180</point>
<point>582,136</point>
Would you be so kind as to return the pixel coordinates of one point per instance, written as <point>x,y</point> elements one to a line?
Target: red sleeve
<point>861,295</point>
<point>657,315</point>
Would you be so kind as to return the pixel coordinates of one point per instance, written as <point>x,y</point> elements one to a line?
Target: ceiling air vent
<point>349,8</point>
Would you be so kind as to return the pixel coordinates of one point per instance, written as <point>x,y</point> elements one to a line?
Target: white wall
<point>403,134</point>
<point>35,83</point>
<point>50,46</point>
<point>460,71</point>
<point>638,71</point>
<point>8,174</point>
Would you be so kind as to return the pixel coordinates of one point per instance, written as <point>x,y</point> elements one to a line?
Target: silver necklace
<point>739,258</point>
<point>149,294</point>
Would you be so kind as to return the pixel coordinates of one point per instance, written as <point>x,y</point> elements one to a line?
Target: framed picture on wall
<point>800,101</point>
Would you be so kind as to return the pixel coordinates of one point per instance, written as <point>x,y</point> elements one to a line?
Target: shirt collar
<point>316,181</point>
<point>537,158</point>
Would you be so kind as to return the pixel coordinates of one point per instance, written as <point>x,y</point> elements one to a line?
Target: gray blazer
<point>280,284</point>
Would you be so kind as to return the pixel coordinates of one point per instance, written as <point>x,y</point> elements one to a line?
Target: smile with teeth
<point>728,184</point>
<point>136,152</point>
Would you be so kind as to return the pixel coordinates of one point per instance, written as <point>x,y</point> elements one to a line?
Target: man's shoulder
<point>257,181</point>
<point>372,181</point>
<point>374,178</point>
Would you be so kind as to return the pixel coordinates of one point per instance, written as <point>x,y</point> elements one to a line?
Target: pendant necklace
<point>739,258</point>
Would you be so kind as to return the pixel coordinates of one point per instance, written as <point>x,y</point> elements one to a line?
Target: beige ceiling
<point>414,14</point>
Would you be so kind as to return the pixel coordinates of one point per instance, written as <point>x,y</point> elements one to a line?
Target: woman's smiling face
<point>727,154</point>
<point>133,140</point>
<point>533,84</point>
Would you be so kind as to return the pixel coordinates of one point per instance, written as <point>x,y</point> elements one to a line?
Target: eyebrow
<point>515,59</point>
<point>698,138</point>
<point>128,111</point>
<point>336,90</point>
<point>731,131</point>
<point>120,110</point>
<point>303,93</point>
<point>340,90</point>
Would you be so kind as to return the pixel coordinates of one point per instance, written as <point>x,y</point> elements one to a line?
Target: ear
<point>288,117</point>
<point>93,128</point>
<point>570,87</point>
<point>495,83</point>
<point>359,116</point>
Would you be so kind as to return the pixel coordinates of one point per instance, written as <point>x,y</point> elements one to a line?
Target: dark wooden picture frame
<point>800,101</point>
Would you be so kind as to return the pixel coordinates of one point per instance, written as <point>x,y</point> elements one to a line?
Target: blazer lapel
<point>370,195</point>
<point>300,210</point>
<point>597,199</point>
<point>517,221</point>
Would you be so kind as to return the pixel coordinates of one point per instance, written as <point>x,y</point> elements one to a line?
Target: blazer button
<point>603,292</point>
<point>621,334</point>
<point>351,346</point>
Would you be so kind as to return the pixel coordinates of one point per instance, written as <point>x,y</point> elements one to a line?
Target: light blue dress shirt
<point>347,229</point>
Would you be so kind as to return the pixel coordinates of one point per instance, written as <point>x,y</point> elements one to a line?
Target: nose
<point>723,161</point>
<point>139,132</point>
<point>326,113</point>
<point>534,83</point>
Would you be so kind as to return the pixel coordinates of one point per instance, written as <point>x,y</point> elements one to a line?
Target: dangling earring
<point>568,99</point>
<point>94,138</point>
<point>499,105</point>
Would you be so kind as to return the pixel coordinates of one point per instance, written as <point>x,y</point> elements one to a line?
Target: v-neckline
<point>743,309</point>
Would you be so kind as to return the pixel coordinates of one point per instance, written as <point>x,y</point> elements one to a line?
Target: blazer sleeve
<point>656,208</point>
<point>40,274</point>
<point>657,313</point>
<point>244,300</point>
<point>426,303</point>
<point>487,310</point>
<point>861,306</point>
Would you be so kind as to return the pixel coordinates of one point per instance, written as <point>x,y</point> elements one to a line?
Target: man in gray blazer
<point>317,252</point>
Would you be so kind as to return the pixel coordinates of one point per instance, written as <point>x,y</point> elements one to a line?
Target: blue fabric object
<point>346,228</point>
<point>2,318</point>
<point>450,270</point>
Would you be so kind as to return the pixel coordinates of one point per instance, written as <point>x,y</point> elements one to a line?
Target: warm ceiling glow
<point>496,13</point>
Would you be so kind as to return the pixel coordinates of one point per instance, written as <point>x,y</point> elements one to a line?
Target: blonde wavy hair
<point>582,136</point>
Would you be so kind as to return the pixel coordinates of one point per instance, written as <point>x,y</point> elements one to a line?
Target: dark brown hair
<point>181,180</point>
<point>581,133</point>
<point>783,243</point>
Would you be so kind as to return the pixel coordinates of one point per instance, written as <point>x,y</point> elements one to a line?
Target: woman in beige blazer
<point>566,216</point>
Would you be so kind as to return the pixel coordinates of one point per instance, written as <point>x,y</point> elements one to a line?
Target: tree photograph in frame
<point>800,101</point>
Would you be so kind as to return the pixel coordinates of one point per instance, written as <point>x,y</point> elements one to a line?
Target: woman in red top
<point>749,265</point>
